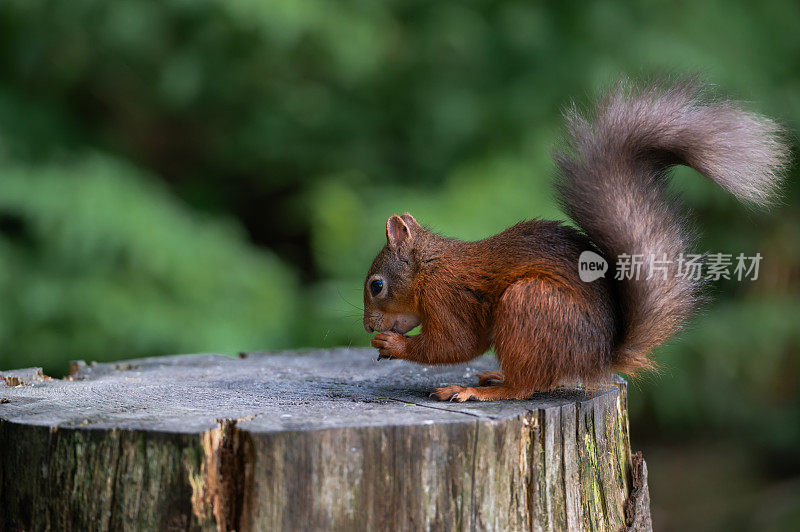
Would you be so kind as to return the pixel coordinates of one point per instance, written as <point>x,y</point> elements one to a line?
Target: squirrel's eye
<point>375,287</point>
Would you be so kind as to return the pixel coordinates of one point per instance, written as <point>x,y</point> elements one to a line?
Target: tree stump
<point>319,440</point>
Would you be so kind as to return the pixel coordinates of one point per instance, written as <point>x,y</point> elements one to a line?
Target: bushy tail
<point>612,184</point>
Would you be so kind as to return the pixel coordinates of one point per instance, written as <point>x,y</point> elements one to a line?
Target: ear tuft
<point>397,232</point>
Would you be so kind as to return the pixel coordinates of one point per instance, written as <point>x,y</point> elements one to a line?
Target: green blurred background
<point>215,175</point>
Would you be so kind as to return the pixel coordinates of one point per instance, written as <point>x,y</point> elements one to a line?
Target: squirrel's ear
<point>397,232</point>
<point>412,224</point>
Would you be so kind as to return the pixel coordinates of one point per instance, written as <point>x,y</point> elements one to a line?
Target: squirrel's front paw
<point>453,393</point>
<point>389,345</point>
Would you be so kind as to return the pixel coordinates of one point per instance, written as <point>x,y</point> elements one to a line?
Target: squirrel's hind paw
<point>490,377</point>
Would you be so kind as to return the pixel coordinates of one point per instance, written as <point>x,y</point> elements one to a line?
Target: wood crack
<point>227,475</point>
<point>440,408</point>
<point>534,429</point>
<point>112,504</point>
<point>473,509</point>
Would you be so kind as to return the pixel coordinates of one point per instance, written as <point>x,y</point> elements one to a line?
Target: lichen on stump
<point>319,440</point>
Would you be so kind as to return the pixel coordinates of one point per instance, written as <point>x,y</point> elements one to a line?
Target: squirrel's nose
<point>369,328</point>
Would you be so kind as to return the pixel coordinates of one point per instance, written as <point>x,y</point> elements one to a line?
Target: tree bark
<point>320,440</point>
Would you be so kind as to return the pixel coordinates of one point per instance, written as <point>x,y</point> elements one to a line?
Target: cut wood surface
<point>318,440</point>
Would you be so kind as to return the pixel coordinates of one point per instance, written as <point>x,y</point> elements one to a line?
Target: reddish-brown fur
<point>520,291</point>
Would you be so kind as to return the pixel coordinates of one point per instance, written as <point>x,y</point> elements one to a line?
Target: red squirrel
<point>520,291</point>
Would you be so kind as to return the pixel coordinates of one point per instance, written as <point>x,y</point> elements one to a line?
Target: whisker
<point>349,315</point>
<point>346,301</point>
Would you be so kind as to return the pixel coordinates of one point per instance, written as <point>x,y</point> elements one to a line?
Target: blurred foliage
<point>99,261</point>
<point>182,175</point>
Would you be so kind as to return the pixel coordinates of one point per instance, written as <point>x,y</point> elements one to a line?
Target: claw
<point>454,398</point>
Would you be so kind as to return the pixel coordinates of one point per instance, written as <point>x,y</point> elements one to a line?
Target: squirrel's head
<point>389,300</point>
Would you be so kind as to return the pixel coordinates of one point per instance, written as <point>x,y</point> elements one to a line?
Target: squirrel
<point>520,291</point>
